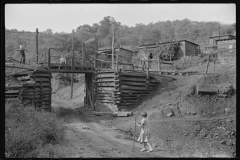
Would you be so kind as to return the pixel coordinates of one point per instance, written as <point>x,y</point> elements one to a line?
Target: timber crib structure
<point>122,90</point>
<point>34,89</point>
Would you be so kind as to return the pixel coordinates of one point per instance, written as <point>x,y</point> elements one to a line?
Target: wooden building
<point>225,44</point>
<point>187,48</point>
<point>212,39</point>
<point>105,54</point>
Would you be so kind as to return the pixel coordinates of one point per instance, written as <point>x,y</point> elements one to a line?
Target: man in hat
<point>22,51</point>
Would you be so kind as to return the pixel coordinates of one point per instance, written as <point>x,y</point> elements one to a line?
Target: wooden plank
<point>43,79</point>
<point>37,92</point>
<point>122,114</point>
<point>106,80</point>
<point>71,71</point>
<point>107,89</point>
<point>19,87</point>
<point>39,84</point>
<point>106,84</point>
<point>12,91</point>
<point>107,71</point>
<point>133,79</point>
<point>133,83</point>
<point>107,98</point>
<point>30,89</point>
<point>127,87</point>
<point>47,75</point>
<point>108,75</point>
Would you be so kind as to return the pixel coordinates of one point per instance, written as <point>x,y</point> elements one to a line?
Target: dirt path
<point>98,141</point>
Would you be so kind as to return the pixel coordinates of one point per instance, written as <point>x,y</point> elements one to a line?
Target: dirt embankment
<point>186,124</point>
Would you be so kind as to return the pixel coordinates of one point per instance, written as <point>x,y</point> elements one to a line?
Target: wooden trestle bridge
<point>116,88</point>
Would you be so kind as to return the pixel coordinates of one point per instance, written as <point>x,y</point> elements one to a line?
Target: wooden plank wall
<point>123,89</point>
<point>35,89</point>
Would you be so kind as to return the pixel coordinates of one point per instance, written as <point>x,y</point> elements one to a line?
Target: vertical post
<point>208,63</point>
<point>96,49</point>
<point>158,57</point>
<point>37,43</point>
<point>83,54</point>
<point>117,54</point>
<point>49,58</point>
<point>72,68</point>
<point>147,68</point>
<point>113,47</point>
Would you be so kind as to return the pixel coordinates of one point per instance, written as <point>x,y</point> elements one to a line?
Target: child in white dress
<point>144,134</point>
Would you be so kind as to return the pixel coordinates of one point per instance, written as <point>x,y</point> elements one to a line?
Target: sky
<point>65,17</point>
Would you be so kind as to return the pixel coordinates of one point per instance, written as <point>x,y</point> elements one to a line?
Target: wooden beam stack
<point>123,89</point>
<point>35,88</point>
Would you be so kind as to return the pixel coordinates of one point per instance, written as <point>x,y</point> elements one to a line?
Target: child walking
<point>144,134</point>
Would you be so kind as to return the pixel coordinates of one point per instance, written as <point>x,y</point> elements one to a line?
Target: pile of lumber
<point>35,88</point>
<point>123,89</point>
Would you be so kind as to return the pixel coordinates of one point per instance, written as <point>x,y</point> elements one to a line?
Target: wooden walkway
<point>67,68</point>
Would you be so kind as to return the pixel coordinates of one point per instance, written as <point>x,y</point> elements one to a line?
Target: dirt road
<point>98,140</point>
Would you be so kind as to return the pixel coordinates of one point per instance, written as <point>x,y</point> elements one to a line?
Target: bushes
<point>187,62</point>
<point>27,130</point>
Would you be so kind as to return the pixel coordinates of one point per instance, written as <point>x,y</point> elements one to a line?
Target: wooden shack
<point>225,44</point>
<point>212,39</point>
<point>105,54</point>
<point>187,48</point>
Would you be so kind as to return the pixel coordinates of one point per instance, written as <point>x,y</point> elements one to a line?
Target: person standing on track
<point>22,52</point>
<point>144,136</point>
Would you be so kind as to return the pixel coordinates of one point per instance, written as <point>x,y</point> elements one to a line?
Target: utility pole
<point>72,67</point>
<point>112,20</point>
<point>37,43</point>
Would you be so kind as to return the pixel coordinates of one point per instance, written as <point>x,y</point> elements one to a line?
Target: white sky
<point>65,17</point>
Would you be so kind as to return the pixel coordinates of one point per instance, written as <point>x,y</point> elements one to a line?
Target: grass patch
<point>30,133</point>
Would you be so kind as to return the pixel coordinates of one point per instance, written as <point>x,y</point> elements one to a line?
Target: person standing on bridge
<point>144,136</point>
<point>22,52</point>
<point>63,60</point>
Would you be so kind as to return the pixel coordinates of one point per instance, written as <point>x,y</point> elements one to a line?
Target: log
<point>133,83</point>
<point>15,87</point>
<point>43,79</point>
<point>107,84</point>
<point>106,80</point>
<point>122,114</point>
<point>106,89</point>
<point>107,75</point>
<point>133,79</point>
<point>45,84</point>
<point>128,87</point>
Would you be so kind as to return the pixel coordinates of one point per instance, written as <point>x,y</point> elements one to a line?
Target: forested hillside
<point>124,35</point>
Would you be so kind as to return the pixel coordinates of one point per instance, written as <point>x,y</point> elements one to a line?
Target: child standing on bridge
<point>144,134</point>
<point>22,52</point>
